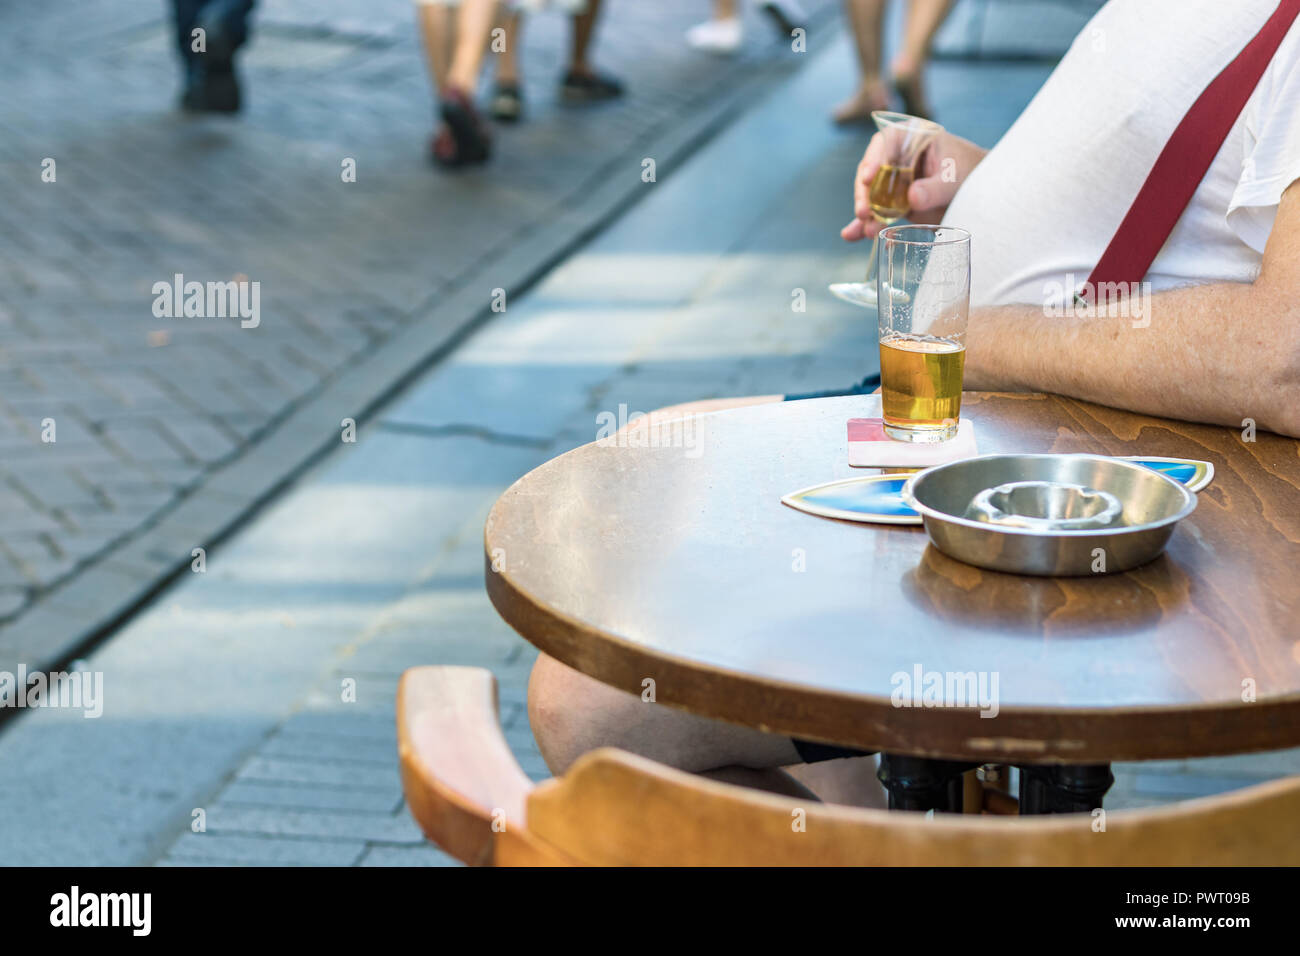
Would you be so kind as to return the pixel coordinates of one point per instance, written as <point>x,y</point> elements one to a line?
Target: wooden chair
<point>470,797</point>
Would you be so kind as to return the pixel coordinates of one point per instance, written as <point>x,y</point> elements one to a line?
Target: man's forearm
<point>1218,353</point>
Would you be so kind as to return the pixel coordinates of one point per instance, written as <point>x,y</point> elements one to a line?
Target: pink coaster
<point>870,447</point>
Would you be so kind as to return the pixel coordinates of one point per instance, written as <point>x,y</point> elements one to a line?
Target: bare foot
<point>857,108</point>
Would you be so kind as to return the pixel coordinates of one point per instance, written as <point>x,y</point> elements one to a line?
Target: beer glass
<point>926,270</point>
<point>905,139</point>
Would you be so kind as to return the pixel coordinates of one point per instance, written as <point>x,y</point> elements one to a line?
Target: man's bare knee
<point>571,713</point>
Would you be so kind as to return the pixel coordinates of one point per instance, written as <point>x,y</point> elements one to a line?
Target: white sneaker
<point>786,15</point>
<point>717,36</point>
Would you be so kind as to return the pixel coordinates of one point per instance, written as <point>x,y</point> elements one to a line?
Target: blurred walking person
<point>724,33</point>
<point>208,33</point>
<point>457,35</point>
<point>906,74</point>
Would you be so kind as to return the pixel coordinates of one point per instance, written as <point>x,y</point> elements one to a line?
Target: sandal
<point>857,109</point>
<point>589,87</point>
<point>507,103</point>
<point>910,92</point>
<point>464,137</point>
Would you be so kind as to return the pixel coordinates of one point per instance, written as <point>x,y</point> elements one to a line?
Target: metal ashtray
<point>1048,514</point>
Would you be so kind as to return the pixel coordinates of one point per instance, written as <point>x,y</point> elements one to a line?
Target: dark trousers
<point>864,387</point>
<point>224,21</point>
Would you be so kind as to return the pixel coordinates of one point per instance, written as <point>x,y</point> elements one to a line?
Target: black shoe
<point>507,103</point>
<point>589,87</point>
<point>786,15</point>
<point>212,90</point>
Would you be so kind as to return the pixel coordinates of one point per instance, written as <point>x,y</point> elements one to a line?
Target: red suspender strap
<point>1186,158</point>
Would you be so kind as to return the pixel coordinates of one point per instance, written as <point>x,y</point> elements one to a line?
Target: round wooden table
<point>678,563</point>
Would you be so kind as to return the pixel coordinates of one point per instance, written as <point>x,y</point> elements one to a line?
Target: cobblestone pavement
<point>145,412</point>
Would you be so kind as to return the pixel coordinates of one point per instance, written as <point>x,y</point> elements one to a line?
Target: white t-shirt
<point>1045,202</point>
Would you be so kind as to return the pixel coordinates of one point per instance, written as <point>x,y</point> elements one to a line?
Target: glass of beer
<point>904,139</point>
<point>926,270</point>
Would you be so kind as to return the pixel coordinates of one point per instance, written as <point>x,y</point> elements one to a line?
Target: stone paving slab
<point>256,794</point>
<point>269,768</point>
<point>211,849</point>
<point>406,856</point>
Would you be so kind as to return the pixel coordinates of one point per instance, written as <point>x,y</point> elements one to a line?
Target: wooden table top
<point>679,565</point>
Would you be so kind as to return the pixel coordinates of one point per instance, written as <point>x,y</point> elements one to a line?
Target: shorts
<point>812,752</point>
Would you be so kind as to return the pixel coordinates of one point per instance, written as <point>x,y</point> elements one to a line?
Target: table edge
<point>1040,734</point>
<point>1023,735</point>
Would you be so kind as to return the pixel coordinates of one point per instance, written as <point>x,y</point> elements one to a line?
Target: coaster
<point>877,499</point>
<point>1191,473</point>
<point>870,447</point>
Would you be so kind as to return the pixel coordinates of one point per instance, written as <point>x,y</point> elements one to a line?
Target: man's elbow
<point>1268,353</point>
<point>1281,389</point>
<point>1288,414</point>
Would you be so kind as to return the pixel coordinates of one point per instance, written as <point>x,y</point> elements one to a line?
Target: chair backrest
<point>613,808</point>
<point>469,795</point>
<point>461,781</point>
